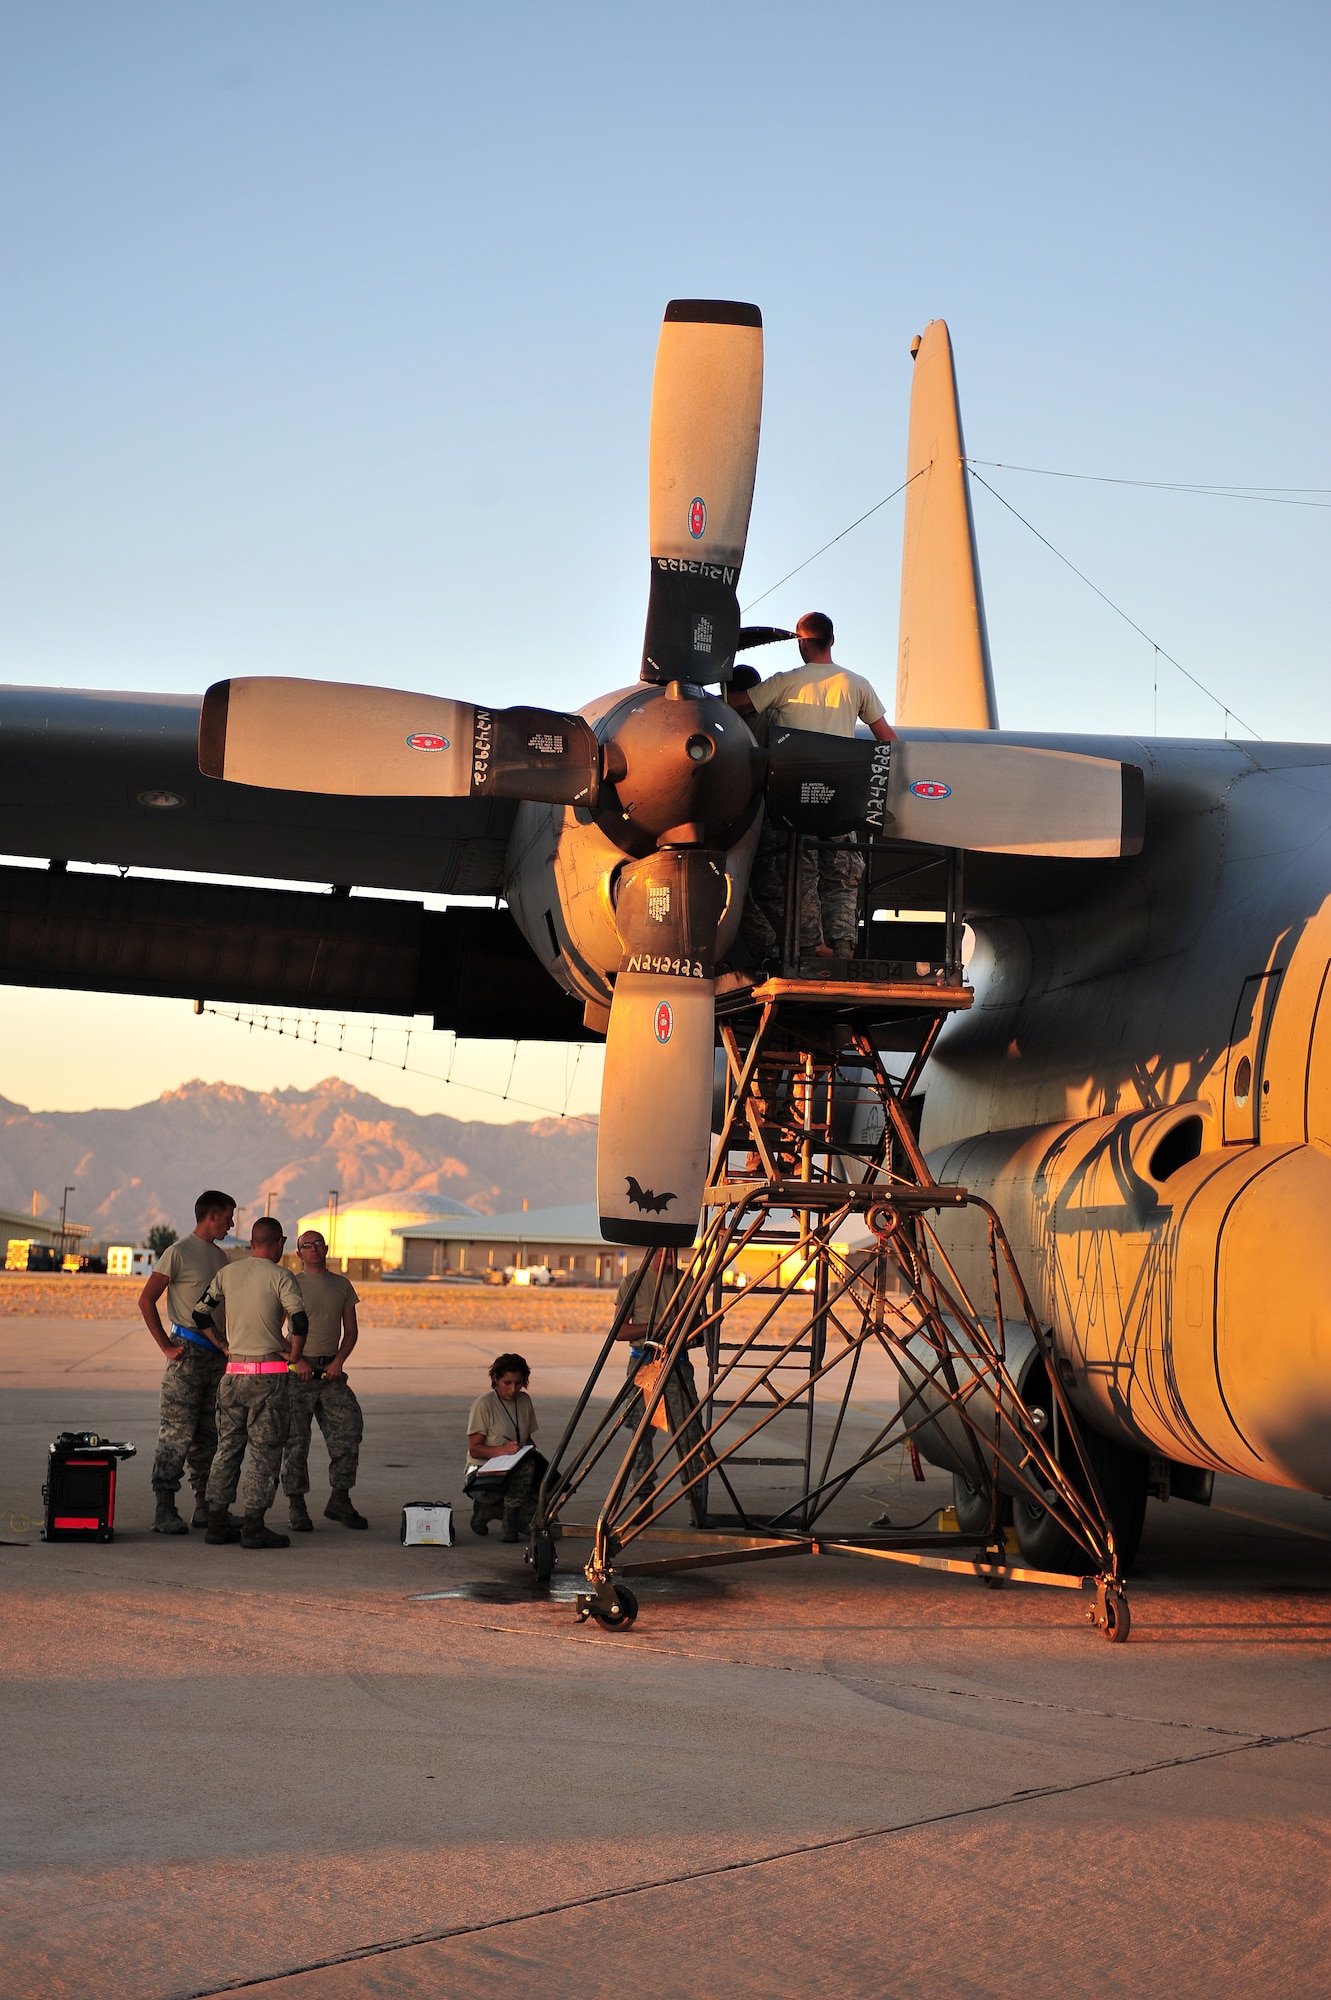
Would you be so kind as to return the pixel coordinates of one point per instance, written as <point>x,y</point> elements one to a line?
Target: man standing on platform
<point>818,695</point>
<point>253,1401</point>
<point>320,1389</point>
<point>195,1361</point>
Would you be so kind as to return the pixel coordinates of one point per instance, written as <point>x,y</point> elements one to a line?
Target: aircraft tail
<point>944,677</point>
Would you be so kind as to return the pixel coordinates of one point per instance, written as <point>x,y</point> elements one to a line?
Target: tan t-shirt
<point>189,1267</point>
<point>327,1294</point>
<point>257,1296</point>
<point>825,698</point>
<point>492,1415</point>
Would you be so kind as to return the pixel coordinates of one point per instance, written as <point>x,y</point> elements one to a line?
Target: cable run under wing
<point>270,1023</point>
<point>1116,608</point>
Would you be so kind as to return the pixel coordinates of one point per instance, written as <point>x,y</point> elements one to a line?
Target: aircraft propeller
<point>675,780</point>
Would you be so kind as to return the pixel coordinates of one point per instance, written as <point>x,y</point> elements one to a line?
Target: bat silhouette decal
<point>645,1198</point>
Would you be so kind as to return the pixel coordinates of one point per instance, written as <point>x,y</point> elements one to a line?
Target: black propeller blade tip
<point>714,312</point>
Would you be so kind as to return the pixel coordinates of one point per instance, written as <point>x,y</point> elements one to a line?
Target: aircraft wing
<point>92,776</point>
<point>115,778</point>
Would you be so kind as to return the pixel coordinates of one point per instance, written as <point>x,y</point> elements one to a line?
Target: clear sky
<point>329,333</point>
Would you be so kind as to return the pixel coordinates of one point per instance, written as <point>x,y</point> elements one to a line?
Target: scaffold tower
<point>820,1245</point>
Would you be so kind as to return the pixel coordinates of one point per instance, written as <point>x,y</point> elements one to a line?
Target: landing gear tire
<point>972,1506</point>
<point>618,1620</point>
<point>1121,1477</point>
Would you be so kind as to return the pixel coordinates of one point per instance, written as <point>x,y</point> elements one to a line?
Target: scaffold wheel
<point>624,1613</point>
<point>1111,1613</point>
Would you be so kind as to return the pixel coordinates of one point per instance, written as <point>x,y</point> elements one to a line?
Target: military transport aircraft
<point>1142,1087</point>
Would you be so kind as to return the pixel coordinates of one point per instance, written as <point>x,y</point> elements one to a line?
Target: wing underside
<point>469,969</point>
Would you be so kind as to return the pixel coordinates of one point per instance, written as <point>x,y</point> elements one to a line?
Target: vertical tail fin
<point>944,678</point>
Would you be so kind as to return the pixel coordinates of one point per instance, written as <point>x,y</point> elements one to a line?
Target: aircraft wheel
<point>626,1610</point>
<point>972,1506</point>
<point>1121,1475</point>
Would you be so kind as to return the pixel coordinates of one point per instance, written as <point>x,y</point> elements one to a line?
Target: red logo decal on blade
<point>698,518</point>
<point>664,1022</point>
<point>930,788</point>
<point>424,741</point>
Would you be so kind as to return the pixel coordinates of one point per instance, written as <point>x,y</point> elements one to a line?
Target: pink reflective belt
<point>256,1367</point>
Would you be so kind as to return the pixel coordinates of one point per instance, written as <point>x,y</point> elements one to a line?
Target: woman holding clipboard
<point>503,1469</point>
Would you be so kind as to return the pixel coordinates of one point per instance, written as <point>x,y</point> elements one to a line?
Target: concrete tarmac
<point>349,1768</point>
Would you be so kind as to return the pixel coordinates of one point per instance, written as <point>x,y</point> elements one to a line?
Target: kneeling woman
<point>501,1422</point>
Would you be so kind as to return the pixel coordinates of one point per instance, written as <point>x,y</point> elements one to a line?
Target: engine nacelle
<point>1187,1283</point>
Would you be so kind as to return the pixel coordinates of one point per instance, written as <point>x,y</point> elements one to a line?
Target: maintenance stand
<point>816,1137</point>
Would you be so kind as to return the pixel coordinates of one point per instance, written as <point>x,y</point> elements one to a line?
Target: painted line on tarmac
<point>838,1841</point>
<point>1265,1521</point>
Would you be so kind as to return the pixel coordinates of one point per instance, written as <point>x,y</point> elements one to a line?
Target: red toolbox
<point>80,1489</point>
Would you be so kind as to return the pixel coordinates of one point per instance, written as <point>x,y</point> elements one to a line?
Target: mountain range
<point>133,1168</point>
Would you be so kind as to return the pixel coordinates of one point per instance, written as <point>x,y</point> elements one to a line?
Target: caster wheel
<point>541,1556</point>
<point>1117,1619</point>
<point>584,1610</point>
<point>626,1610</point>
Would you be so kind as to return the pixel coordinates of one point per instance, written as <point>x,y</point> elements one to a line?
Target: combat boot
<point>254,1535</point>
<point>298,1515</point>
<point>202,1512</point>
<point>166,1520</point>
<point>221,1528</point>
<point>339,1508</point>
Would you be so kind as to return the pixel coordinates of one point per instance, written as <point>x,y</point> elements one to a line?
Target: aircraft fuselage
<point>1143,1089</point>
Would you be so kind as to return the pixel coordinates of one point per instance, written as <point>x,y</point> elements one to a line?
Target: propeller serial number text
<point>685,566</point>
<point>657,962</point>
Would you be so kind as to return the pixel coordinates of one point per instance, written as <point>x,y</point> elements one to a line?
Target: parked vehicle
<point>124,1261</point>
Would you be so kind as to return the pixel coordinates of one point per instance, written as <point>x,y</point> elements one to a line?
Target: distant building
<point>562,1239</point>
<point>367,1234</point>
<point>42,1231</point>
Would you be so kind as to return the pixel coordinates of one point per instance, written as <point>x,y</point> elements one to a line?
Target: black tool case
<point>80,1489</point>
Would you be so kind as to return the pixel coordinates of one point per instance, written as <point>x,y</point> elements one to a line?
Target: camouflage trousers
<point>187,1419</point>
<point>253,1417</point>
<point>830,878</point>
<point>680,1404</point>
<point>516,1504</point>
<point>339,1415</point>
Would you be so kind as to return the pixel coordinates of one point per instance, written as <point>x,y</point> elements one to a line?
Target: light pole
<point>334,1196</point>
<point>64,1202</point>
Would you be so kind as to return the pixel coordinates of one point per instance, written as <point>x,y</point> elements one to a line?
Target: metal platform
<point>819,1195</point>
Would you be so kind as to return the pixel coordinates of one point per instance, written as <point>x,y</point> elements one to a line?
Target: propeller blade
<point>994,798</point>
<point>654,1141</point>
<point>1015,798</point>
<point>367,742</point>
<point>707,399</point>
<point>827,784</point>
<point>760,635</point>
